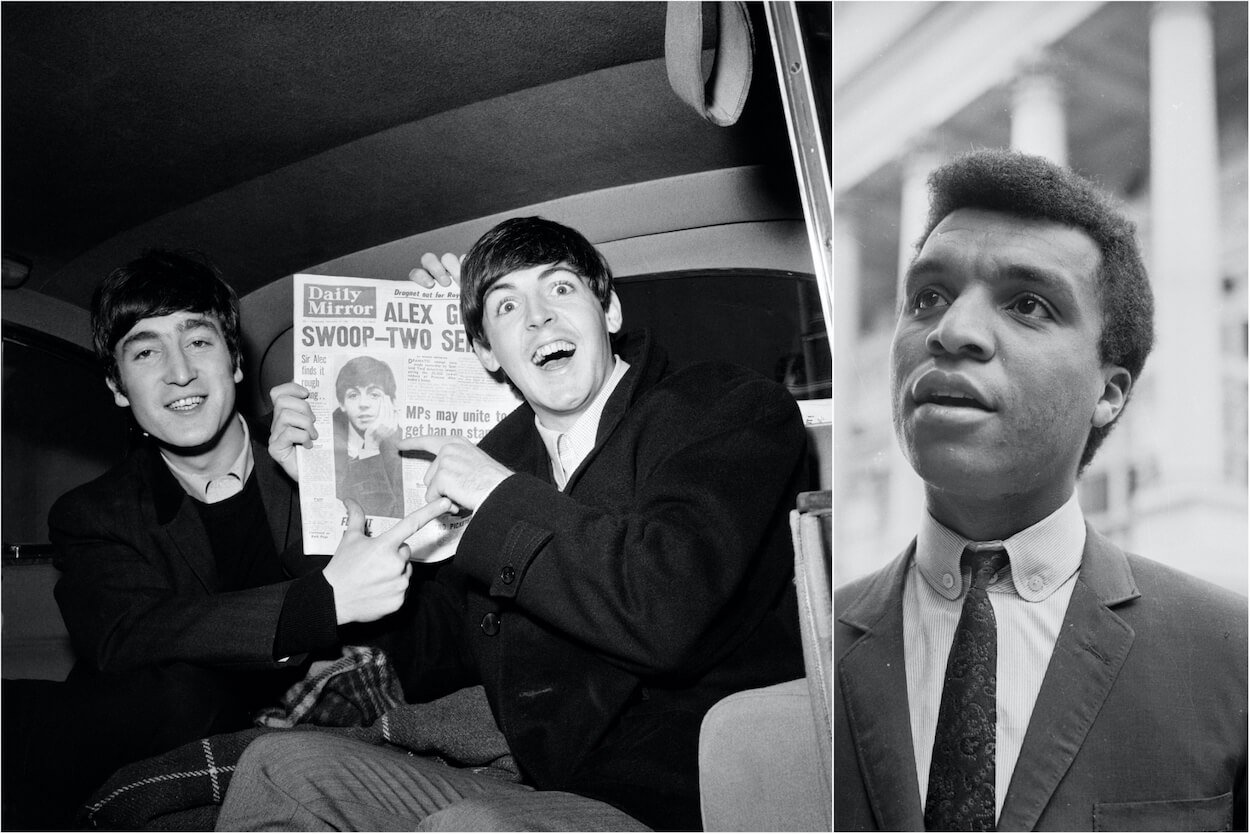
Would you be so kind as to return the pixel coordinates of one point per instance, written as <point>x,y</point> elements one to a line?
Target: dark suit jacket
<point>606,619</point>
<point>1140,723</point>
<point>139,583</point>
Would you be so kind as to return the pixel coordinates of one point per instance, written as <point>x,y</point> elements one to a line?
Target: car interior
<point>348,139</point>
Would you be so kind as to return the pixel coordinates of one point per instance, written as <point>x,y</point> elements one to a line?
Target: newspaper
<point>384,360</point>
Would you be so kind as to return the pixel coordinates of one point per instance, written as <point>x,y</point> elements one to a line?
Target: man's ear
<point>119,396</point>
<point>613,314</point>
<point>1117,382</point>
<point>486,356</point>
<point>238,374</point>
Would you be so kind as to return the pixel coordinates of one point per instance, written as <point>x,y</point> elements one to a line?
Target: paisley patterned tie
<point>961,772</point>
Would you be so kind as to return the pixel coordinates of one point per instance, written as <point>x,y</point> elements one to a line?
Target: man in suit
<point>627,564</point>
<point>1013,668</point>
<point>184,588</point>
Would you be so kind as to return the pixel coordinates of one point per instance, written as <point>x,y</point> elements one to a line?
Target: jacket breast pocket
<point>1212,814</point>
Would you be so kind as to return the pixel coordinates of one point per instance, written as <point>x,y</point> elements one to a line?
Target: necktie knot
<point>984,561</point>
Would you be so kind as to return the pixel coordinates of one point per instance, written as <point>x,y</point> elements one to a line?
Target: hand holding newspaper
<point>384,361</point>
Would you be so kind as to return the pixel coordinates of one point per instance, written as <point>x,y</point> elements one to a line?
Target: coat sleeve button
<point>508,574</point>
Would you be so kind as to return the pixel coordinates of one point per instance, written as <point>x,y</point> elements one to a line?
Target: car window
<point>60,428</point>
<point>769,321</point>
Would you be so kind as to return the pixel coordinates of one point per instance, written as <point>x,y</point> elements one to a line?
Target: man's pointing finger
<point>355,516</point>
<point>414,521</point>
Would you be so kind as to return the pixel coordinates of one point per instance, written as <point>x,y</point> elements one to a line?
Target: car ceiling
<point>277,136</point>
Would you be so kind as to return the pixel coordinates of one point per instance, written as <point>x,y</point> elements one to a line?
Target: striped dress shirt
<point>1029,597</point>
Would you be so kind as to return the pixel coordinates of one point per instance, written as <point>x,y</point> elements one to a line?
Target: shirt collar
<point>197,485</point>
<point>1043,556</point>
<point>580,438</point>
<point>355,440</point>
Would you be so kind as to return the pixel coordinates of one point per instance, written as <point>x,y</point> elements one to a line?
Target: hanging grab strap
<point>720,100</point>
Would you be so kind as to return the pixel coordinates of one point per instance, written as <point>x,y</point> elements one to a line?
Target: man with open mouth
<point>627,564</point>
<point>1013,669</point>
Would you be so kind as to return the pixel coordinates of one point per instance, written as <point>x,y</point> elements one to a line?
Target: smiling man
<point>187,598</point>
<point>627,565</point>
<point>1013,669</point>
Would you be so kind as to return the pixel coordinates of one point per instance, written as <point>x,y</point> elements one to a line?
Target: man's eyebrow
<point>554,268</point>
<point>921,267</point>
<point>546,273</point>
<point>498,286</point>
<point>1055,285</point>
<point>194,323</point>
<point>131,338</point>
<point>198,322</point>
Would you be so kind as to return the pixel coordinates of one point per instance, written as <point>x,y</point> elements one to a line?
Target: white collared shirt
<point>210,490</point>
<point>568,449</point>
<point>1029,597</point>
<point>356,445</point>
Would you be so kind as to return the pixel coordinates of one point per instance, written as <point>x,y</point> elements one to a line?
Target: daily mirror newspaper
<point>383,360</point>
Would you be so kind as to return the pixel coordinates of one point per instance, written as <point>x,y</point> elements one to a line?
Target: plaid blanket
<point>357,695</point>
<point>352,691</point>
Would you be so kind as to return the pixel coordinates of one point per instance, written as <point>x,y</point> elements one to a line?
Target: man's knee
<point>270,789</point>
<point>303,764</point>
<point>274,756</point>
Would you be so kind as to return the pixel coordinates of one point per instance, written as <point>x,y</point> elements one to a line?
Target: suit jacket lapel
<point>873,679</point>
<point>647,364</point>
<point>281,506</point>
<point>1088,656</point>
<point>179,528</point>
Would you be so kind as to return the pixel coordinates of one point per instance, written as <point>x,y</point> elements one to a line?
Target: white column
<point>1191,515</point>
<point>1038,122</point>
<point>1184,255</point>
<point>846,402</point>
<point>848,278</point>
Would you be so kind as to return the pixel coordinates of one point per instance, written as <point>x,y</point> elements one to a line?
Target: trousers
<point>309,781</point>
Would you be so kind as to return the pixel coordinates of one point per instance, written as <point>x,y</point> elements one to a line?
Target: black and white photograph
<point>1040,550</point>
<point>618,215</point>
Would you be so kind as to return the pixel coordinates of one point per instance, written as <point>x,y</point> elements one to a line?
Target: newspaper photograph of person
<point>367,467</point>
<point>383,360</point>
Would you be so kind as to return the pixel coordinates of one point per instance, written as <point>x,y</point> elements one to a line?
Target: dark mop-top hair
<point>360,373</point>
<point>159,283</point>
<point>522,243</point>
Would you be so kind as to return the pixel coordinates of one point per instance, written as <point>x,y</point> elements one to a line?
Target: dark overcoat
<point>605,620</point>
